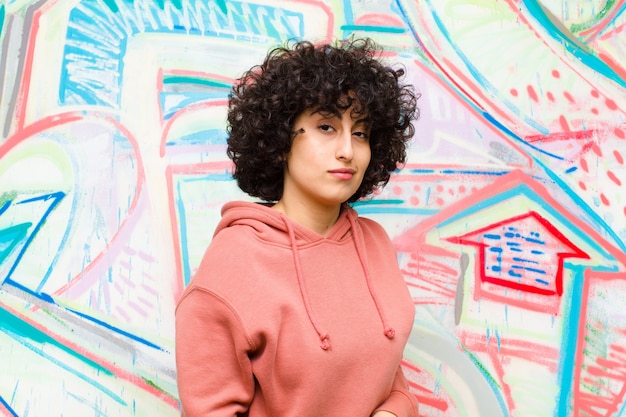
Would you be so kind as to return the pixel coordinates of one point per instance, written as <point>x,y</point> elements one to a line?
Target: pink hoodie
<point>279,321</point>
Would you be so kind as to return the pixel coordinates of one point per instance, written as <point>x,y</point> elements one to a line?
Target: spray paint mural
<point>509,218</point>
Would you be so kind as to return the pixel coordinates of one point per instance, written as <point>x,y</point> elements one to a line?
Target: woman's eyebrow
<point>327,114</point>
<point>364,121</point>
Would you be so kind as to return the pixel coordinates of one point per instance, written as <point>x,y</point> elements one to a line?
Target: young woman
<point>298,307</point>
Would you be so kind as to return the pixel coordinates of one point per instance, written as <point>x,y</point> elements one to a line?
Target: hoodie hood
<point>272,226</point>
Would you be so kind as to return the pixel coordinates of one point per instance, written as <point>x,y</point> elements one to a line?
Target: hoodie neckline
<point>298,236</point>
<point>235,211</point>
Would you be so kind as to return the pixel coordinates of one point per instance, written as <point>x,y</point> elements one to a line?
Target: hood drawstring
<point>324,337</point>
<point>357,235</point>
<point>389,332</point>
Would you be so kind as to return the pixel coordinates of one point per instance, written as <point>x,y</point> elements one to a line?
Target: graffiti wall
<point>509,218</point>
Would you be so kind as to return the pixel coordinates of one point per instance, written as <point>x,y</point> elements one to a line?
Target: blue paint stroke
<point>10,237</point>
<point>203,137</point>
<point>479,110</point>
<point>376,202</point>
<point>23,332</point>
<point>551,174</point>
<point>525,190</point>
<point>182,229</point>
<point>617,15</point>
<point>2,18</point>
<point>568,342</point>
<point>396,210</point>
<point>462,172</point>
<point>7,407</point>
<point>495,387</point>
<point>479,77</point>
<point>373,28</point>
<point>116,330</point>
<point>92,65</point>
<point>583,55</point>
<point>182,216</point>
<point>54,198</point>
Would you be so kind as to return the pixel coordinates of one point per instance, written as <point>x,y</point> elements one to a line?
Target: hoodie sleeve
<point>214,373</point>
<point>400,402</point>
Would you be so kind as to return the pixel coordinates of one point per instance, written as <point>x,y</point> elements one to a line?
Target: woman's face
<point>328,159</point>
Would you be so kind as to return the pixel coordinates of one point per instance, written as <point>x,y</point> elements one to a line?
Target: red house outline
<point>492,286</point>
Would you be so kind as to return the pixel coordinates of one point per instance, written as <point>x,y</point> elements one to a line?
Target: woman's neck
<point>318,219</point>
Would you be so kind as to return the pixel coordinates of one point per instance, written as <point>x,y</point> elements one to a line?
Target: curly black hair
<point>299,76</point>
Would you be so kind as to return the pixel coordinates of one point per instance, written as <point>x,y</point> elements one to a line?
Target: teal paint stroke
<point>182,217</point>
<point>568,344</point>
<point>2,17</point>
<point>373,28</point>
<point>478,76</point>
<point>24,333</point>
<point>526,191</point>
<point>584,55</point>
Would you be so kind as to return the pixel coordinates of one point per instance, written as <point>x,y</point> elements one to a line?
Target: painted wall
<point>509,218</point>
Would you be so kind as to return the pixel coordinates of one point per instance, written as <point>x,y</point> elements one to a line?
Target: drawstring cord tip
<point>325,342</point>
<point>390,332</point>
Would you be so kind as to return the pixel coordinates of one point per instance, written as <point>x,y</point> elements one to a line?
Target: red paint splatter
<point>440,201</point>
<point>594,93</point>
<point>582,185</point>
<point>531,93</point>
<point>417,188</point>
<point>569,97</point>
<point>414,200</point>
<point>440,188</point>
<point>556,74</point>
<point>513,92</point>
<point>618,157</point>
<point>461,188</point>
<point>594,110</point>
<point>596,149</point>
<point>397,190</point>
<point>583,165</point>
<point>563,123</point>
<point>613,178</point>
<point>610,104</point>
<point>605,200</point>
<point>619,133</point>
<point>550,96</point>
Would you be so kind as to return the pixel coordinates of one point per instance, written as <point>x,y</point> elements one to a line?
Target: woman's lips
<point>342,174</point>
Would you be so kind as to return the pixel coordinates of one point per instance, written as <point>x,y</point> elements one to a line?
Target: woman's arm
<point>214,374</point>
<point>401,403</point>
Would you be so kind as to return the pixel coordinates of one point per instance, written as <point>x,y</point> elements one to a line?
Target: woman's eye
<point>361,135</point>
<point>326,128</point>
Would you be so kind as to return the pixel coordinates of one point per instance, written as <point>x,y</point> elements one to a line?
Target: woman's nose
<point>344,146</point>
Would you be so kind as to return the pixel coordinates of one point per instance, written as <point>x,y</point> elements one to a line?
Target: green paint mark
<point>580,27</point>
<point>155,386</point>
<point>480,366</point>
<point>181,79</point>
<point>7,196</point>
<point>55,318</point>
<point>21,330</point>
